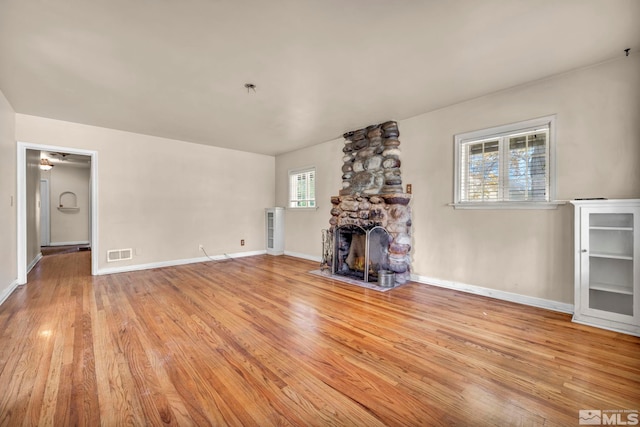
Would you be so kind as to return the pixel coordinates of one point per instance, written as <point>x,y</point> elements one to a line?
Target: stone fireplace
<point>370,218</point>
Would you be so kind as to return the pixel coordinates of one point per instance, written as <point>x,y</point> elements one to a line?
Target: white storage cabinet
<point>607,267</point>
<point>274,223</point>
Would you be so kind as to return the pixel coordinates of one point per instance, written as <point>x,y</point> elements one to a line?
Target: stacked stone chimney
<point>371,161</point>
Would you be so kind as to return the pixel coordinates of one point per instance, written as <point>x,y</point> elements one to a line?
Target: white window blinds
<point>527,167</point>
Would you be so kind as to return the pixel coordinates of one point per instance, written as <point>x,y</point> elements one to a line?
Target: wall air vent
<point>119,255</point>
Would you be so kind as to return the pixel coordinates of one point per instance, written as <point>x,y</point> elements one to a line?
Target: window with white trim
<point>505,165</point>
<point>302,188</point>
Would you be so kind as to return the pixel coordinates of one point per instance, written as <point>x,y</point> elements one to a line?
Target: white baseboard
<point>85,242</point>
<point>494,293</point>
<point>12,287</point>
<point>34,262</point>
<point>610,326</point>
<point>138,267</point>
<point>303,256</point>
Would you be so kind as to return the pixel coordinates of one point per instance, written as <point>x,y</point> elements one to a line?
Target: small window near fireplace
<point>302,188</point>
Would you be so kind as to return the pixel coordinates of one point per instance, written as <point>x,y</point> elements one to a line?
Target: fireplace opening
<point>361,253</point>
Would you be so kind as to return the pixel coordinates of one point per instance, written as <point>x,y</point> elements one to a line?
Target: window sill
<point>303,209</point>
<point>509,205</point>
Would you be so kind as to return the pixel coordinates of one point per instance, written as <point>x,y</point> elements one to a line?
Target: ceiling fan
<point>59,157</point>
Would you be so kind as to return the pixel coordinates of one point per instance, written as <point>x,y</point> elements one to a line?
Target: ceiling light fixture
<point>45,164</point>
<point>250,87</point>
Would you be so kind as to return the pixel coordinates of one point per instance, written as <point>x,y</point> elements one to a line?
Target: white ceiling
<point>177,69</point>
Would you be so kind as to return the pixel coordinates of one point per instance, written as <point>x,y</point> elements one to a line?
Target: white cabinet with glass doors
<point>607,267</point>
<point>274,230</point>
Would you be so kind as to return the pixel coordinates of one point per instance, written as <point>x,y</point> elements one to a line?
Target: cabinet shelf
<point>611,255</point>
<point>611,228</point>
<point>607,287</point>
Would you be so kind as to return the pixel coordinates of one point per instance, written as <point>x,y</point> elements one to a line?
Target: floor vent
<point>119,255</point>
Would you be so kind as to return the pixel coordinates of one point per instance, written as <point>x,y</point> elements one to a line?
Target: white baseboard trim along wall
<point>138,267</point>
<point>12,287</point>
<point>34,262</point>
<point>303,256</point>
<point>83,242</point>
<point>494,293</point>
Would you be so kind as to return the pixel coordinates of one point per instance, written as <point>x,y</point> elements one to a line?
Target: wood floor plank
<point>52,386</point>
<point>260,341</point>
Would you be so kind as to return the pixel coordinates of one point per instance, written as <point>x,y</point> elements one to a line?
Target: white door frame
<point>45,213</point>
<point>22,203</point>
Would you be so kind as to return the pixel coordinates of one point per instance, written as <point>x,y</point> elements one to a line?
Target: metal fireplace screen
<point>360,253</point>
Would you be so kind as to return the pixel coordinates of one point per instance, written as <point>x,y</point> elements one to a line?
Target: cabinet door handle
<point>584,250</point>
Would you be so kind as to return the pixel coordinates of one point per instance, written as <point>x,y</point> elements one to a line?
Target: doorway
<point>66,215</point>
<point>23,228</point>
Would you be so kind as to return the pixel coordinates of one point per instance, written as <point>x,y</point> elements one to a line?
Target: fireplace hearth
<point>371,218</point>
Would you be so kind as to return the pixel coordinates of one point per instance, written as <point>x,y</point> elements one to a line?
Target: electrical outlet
<point>242,242</point>
<point>200,247</point>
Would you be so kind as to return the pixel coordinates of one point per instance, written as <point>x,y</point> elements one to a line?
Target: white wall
<point>8,218</point>
<point>528,252</point>
<point>303,227</point>
<point>164,197</point>
<point>69,227</point>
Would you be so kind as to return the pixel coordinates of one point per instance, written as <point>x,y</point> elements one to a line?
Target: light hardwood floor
<point>259,341</point>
